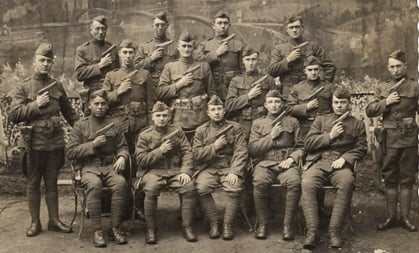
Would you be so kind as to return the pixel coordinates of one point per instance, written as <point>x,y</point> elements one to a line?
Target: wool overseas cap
<point>249,51</point>
<point>294,18</point>
<point>162,16</point>
<point>159,107</point>
<point>215,100</point>
<point>342,92</point>
<point>98,93</point>
<point>101,19</point>
<point>274,94</point>
<point>45,49</point>
<point>398,55</point>
<point>221,14</point>
<point>311,60</point>
<point>127,43</point>
<point>186,36</point>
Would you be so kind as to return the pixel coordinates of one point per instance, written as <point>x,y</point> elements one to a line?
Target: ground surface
<point>368,208</point>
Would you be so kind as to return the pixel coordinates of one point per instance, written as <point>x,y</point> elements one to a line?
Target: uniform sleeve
<point>298,153</point>
<point>297,109</point>
<point>202,153</point>
<point>75,148</point>
<point>316,139</point>
<point>259,144</point>
<point>376,107</point>
<point>279,63</point>
<point>240,157</point>
<point>235,102</point>
<point>122,146</point>
<point>209,81</point>
<point>208,56</point>
<point>108,86</point>
<point>67,110</point>
<point>84,70</point>
<point>144,155</point>
<point>143,60</point>
<point>328,67</point>
<point>360,147</point>
<point>22,109</point>
<point>166,90</point>
<point>187,157</point>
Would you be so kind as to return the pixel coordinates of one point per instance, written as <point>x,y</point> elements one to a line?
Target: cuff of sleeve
<point>90,149</point>
<point>157,152</point>
<point>33,106</point>
<point>212,56</point>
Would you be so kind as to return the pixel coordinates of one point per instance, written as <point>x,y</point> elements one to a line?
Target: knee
<point>308,185</point>
<point>259,187</point>
<point>120,185</point>
<point>346,185</point>
<point>294,184</point>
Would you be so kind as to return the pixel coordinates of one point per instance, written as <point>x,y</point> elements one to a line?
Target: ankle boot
<point>54,223</point>
<point>34,229</point>
<point>391,202</point>
<point>311,240</point>
<point>189,235</point>
<point>336,240</point>
<point>261,232</point>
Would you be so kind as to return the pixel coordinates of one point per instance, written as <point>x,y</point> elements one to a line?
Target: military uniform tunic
<point>190,102</point>
<point>224,67</point>
<point>239,107</point>
<point>292,73</point>
<point>399,139</point>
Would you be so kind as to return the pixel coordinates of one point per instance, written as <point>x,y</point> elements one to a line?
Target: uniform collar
<point>218,124</point>
<point>161,130</point>
<point>98,42</point>
<point>252,73</point>
<point>96,119</point>
<point>186,60</point>
<point>160,39</point>
<point>297,41</point>
<point>314,82</point>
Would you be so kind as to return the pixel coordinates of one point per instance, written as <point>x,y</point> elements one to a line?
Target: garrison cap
<point>221,14</point>
<point>249,51</point>
<point>311,60</point>
<point>98,93</point>
<point>342,92</point>
<point>186,36</point>
<point>274,94</point>
<point>398,55</point>
<point>162,16</point>
<point>45,49</point>
<point>294,18</point>
<point>127,43</point>
<point>100,19</point>
<point>215,100</point>
<point>159,107</point>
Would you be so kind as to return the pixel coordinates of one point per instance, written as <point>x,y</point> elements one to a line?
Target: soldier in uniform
<point>244,101</point>
<point>220,151</point>
<point>186,92</point>
<point>306,110</point>
<point>398,107</point>
<point>45,142</point>
<point>153,57</point>
<point>224,57</point>
<point>90,64</point>
<point>166,155</point>
<point>288,59</point>
<point>101,158</point>
<point>277,150</point>
<point>333,148</point>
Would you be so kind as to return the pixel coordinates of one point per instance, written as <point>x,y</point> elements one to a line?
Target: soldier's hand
<point>185,80</point>
<point>119,165</point>
<point>232,178</point>
<point>99,141</point>
<point>254,92</point>
<point>42,99</point>
<point>222,49</point>
<point>393,98</point>
<point>220,142</point>
<point>125,86</point>
<point>338,164</point>
<point>276,131</point>
<point>166,146</point>
<point>294,55</point>
<point>157,54</point>
<point>286,164</point>
<point>313,104</point>
<point>184,178</point>
<point>105,61</point>
<point>336,130</point>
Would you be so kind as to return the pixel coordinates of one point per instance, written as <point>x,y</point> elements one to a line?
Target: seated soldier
<point>277,149</point>
<point>220,150</point>
<point>333,146</point>
<point>102,156</point>
<point>166,155</point>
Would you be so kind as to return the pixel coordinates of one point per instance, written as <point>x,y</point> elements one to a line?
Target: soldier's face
<point>312,72</point>
<point>42,64</point>
<point>273,105</point>
<point>340,105</point>
<point>98,106</point>
<point>159,27</point>
<point>295,29</point>
<point>126,56</point>
<point>98,31</point>
<point>221,26</point>
<point>215,112</point>
<point>251,62</point>
<point>161,119</point>
<point>397,69</point>
<point>185,48</point>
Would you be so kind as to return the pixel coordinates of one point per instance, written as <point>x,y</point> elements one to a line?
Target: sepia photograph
<point>209,126</point>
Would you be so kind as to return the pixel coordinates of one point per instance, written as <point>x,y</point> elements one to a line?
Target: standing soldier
<point>95,58</point>
<point>276,146</point>
<point>223,53</point>
<point>397,101</point>
<point>334,143</point>
<point>154,54</point>
<point>101,151</point>
<point>288,57</point>
<point>186,85</point>
<point>246,92</point>
<point>38,102</point>
<point>310,97</point>
<point>220,151</point>
<point>166,155</point>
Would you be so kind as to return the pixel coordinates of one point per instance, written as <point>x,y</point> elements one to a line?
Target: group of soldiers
<point>194,117</point>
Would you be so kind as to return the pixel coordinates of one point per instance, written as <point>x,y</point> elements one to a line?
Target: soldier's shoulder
<point>27,79</point>
<point>83,45</point>
<point>234,124</point>
<point>203,126</point>
<point>146,131</point>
